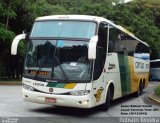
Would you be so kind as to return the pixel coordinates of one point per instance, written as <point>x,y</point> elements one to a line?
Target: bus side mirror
<point>15,43</point>
<point>92,47</point>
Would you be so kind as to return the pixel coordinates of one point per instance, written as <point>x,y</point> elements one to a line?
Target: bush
<point>157,91</point>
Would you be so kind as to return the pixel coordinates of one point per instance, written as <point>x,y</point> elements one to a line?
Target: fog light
<point>80,92</point>
<point>85,102</point>
<point>28,87</point>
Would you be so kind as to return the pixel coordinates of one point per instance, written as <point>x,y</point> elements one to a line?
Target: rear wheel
<point>150,77</point>
<point>106,105</point>
<point>140,90</point>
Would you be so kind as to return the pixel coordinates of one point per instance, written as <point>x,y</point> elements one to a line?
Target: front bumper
<point>61,100</point>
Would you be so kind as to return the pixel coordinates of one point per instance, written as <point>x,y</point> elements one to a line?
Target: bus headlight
<point>80,92</point>
<point>27,87</point>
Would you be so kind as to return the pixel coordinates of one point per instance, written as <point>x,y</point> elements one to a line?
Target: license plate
<point>50,100</point>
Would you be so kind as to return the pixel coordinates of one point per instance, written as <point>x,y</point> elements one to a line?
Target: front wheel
<point>106,105</point>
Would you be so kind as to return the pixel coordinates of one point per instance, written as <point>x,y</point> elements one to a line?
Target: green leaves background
<point>142,17</point>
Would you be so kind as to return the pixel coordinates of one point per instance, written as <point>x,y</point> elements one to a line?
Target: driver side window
<point>101,50</point>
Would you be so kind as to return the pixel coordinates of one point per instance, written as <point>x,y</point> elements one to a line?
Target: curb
<point>154,99</point>
<point>11,83</point>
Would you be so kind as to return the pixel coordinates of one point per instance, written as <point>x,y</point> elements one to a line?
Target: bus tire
<point>143,85</point>
<point>150,78</point>
<point>140,90</point>
<point>105,106</point>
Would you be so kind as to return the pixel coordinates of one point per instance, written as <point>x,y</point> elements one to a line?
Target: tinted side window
<point>140,50</point>
<point>99,63</point>
<point>102,35</point>
<point>120,42</point>
<point>101,50</point>
<point>138,47</point>
<point>145,49</point>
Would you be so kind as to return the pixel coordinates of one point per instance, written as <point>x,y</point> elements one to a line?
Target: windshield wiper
<point>40,66</point>
<point>58,62</point>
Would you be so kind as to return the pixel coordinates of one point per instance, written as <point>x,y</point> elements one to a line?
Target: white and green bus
<point>82,61</point>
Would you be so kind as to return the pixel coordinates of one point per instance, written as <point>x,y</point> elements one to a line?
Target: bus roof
<point>72,17</point>
<point>90,18</point>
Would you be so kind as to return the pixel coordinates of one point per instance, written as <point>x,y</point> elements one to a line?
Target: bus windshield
<point>64,29</point>
<point>58,60</point>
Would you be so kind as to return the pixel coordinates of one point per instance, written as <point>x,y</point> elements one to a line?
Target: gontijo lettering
<point>38,84</point>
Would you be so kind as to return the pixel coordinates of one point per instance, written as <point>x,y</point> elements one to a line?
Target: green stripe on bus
<point>50,84</point>
<point>60,85</point>
<point>124,74</point>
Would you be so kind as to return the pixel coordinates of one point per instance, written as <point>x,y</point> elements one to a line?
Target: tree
<point>141,17</point>
<point>5,33</point>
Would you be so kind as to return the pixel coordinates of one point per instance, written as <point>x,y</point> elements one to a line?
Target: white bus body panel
<point>100,86</point>
<point>61,100</point>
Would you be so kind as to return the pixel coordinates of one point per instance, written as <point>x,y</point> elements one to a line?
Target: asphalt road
<point>13,106</point>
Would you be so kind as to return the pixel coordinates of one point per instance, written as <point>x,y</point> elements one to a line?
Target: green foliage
<point>21,48</point>
<point>42,8</point>
<point>4,11</point>
<point>142,17</point>
<point>5,35</point>
<point>157,91</point>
